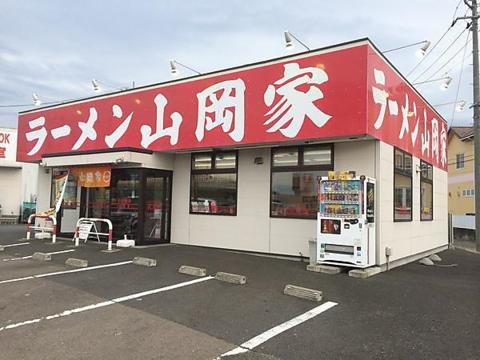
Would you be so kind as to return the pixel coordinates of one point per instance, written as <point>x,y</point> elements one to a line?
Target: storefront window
<point>213,185</point>
<point>426,191</point>
<point>295,175</point>
<point>402,186</point>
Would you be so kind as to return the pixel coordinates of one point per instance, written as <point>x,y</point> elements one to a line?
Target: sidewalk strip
<point>106,303</point>
<point>12,245</point>
<point>65,272</point>
<point>30,256</point>
<point>267,335</point>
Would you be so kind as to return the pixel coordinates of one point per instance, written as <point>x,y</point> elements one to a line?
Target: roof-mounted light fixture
<point>289,42</point>
<point>445,84</point>
<point>96,85</point>
<point>419,53</point>
<point>36,100</point>
<point>174,70</point>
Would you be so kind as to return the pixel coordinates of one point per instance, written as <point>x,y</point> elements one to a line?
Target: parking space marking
<point>106,303</point>
<point>19,244</point>
<point>267,335</point>
<point>89,268</point>
<point>30,256</point>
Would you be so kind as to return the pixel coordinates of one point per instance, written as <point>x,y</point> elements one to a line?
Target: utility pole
<point>476,120</point>
<point>476,111</point>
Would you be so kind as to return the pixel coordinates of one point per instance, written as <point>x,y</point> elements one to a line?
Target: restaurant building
<point>231,159</point>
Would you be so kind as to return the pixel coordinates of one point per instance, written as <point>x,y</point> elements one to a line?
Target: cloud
<point>55,49</point>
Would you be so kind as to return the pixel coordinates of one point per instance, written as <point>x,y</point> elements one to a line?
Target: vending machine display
<point>346,221</point>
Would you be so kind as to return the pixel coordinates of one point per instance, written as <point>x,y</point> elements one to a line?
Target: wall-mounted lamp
<point>120,160</point>
<point>460,105</point>
<point>174,70</point>
<point>289,42</point>
<point>96,85</point>
<point>445,84</point>
<point>419,169</point>
<point>36,100</point>
<point>419,53</point>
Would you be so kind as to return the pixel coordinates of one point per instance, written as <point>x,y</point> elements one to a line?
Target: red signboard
<point>318,95</point>
<point>306,97</point>
<point>399,116</point>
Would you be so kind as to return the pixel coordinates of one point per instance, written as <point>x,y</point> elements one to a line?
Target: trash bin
<point>312,250</point>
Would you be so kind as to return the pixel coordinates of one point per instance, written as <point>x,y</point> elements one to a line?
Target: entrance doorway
<point>138,202</point>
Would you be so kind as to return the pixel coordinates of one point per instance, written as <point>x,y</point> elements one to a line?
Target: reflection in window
<point>285,157</point>
<point>426,191</point>
<point>295,174</point>
<point>402,186</point>
<point>214,194</point>
<point>294,194</point>
<point>125,200</point>
<point>213,190</point>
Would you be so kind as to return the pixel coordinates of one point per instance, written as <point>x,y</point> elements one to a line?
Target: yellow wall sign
<point>93,176</point>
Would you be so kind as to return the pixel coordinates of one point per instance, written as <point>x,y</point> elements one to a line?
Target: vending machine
<point>346,220</point>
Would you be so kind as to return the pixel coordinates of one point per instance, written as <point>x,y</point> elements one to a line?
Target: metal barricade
<point>93,220</point>
<point>53,229</point>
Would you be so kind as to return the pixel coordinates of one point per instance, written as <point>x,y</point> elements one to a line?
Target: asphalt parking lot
<point>124,311</point>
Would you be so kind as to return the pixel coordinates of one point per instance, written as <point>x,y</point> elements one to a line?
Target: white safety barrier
<point>34,227</point>
<point>81,221</point>
<point>463,222</point>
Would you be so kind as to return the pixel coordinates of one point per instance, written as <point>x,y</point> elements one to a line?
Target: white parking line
<point>267,335</point>
<point>12,245</point>
<point>66,272</point>
<point>30,256</point>
<point>106,303</point>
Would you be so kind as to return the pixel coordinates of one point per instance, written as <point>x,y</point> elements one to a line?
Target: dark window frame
<point>297,168</point>
<point>428,180</point>
<point>460,162</point>
<point>402,172</point>
<point>213,170</point>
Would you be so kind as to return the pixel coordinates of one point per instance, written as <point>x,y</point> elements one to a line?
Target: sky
<point>55,48</point>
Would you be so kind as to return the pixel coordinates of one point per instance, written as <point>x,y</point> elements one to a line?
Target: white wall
<point>29,181</point>
<point>21,178</point>
<point>10,190</point>
<point>44,187</point>
<point>253,229</point>
<point>413,237</point>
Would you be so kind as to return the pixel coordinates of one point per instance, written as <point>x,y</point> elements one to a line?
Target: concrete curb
<point>76,262</point>
<point>303,293</point>
<point>192,270</point>
<point>143,261</point>
<point>231,278</point>
<point>41,256</point>
<point>364,273</point>
<point>2,248</point>
<point>325,269</point>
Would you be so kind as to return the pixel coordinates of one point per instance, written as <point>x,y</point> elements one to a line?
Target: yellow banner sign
<point>93,176</point>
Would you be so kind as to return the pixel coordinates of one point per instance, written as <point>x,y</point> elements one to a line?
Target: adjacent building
<point>18,181</point>
<point>231,159</point>
<point>461,186</point>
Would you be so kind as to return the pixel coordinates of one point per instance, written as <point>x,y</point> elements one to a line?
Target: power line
<point>456,8</point>
<point>443,53</point>
<point>451,58</point>
<point>460,78</point>
<point>26,105</point>
<point>432,48</point>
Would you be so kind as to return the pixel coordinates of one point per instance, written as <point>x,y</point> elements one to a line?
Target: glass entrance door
<point>125,190</point>
<point>139,204</point>
<point>156,219</point>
